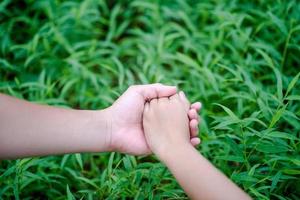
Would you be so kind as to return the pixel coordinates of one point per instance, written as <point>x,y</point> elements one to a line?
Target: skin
<point>166,124</point>
<point>28,129</point>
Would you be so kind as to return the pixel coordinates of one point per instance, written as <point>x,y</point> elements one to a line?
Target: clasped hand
<point>126,116</point>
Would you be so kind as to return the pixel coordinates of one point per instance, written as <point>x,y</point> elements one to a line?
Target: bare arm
<point>198,177</point>
<point>28,129</point>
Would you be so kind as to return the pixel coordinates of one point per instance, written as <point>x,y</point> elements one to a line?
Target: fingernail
<point>200,105</point>
<point>182,93</point>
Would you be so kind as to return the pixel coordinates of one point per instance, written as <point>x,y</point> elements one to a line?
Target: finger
<point>152,103</point>
<point>183,98</point>
<point>146,112</point>
<point>147,107</point>
<point>162,101</point>
<point>192,113</point>
<point>197,106</point>
<point>195,141</point>
<point>194,127</point>
<point>175,96</point>
<point>156,90</point>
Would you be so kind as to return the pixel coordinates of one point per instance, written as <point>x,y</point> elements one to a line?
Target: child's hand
<point>166,123</point>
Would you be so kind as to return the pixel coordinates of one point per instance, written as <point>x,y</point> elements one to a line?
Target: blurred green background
<point>240,58</point>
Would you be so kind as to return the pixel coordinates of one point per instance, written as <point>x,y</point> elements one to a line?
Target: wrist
<point>97,130</point>
<point>172,150</point>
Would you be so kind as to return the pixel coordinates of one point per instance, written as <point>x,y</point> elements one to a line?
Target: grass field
<point>240,58</point>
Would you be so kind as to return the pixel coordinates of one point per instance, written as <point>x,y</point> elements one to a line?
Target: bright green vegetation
<point>240,58</point>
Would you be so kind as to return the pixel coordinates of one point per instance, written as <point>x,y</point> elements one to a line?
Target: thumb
<point>157,90</point>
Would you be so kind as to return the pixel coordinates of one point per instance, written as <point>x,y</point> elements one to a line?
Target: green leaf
<point>270,148</point>
<point>64,160</point>
<point>127,162</point>
<point>232,158</point>
<point>187,60</point>
<point>291,171</point>
<point>224,124</point>
<point>277,116</point>
<point>234,146</point>
<point>110,163</point>
<point>278,134</point>
<point>228,111</point>
<point>79,160</point>
<point>279,84</point>
<point>293,98</point>
<point>243,177</point>
<point>267,58</point>
<point>69,194</point>
<point>292,84</point>
<point>275,180</point>
<point>279,23</point>
<point>296,161</point>
<point>90,182</point>
<point>8,172</point>
<point>252,170</point>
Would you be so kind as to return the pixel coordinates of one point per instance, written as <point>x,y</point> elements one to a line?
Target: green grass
<point>240,58</point>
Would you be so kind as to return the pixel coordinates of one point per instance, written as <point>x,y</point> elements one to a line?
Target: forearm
<point>28,129</point>
<point>198,177</point>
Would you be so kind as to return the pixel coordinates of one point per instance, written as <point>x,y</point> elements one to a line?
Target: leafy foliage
<point>240,58</point>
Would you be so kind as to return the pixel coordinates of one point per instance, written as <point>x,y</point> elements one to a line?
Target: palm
<point>128,132</point>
